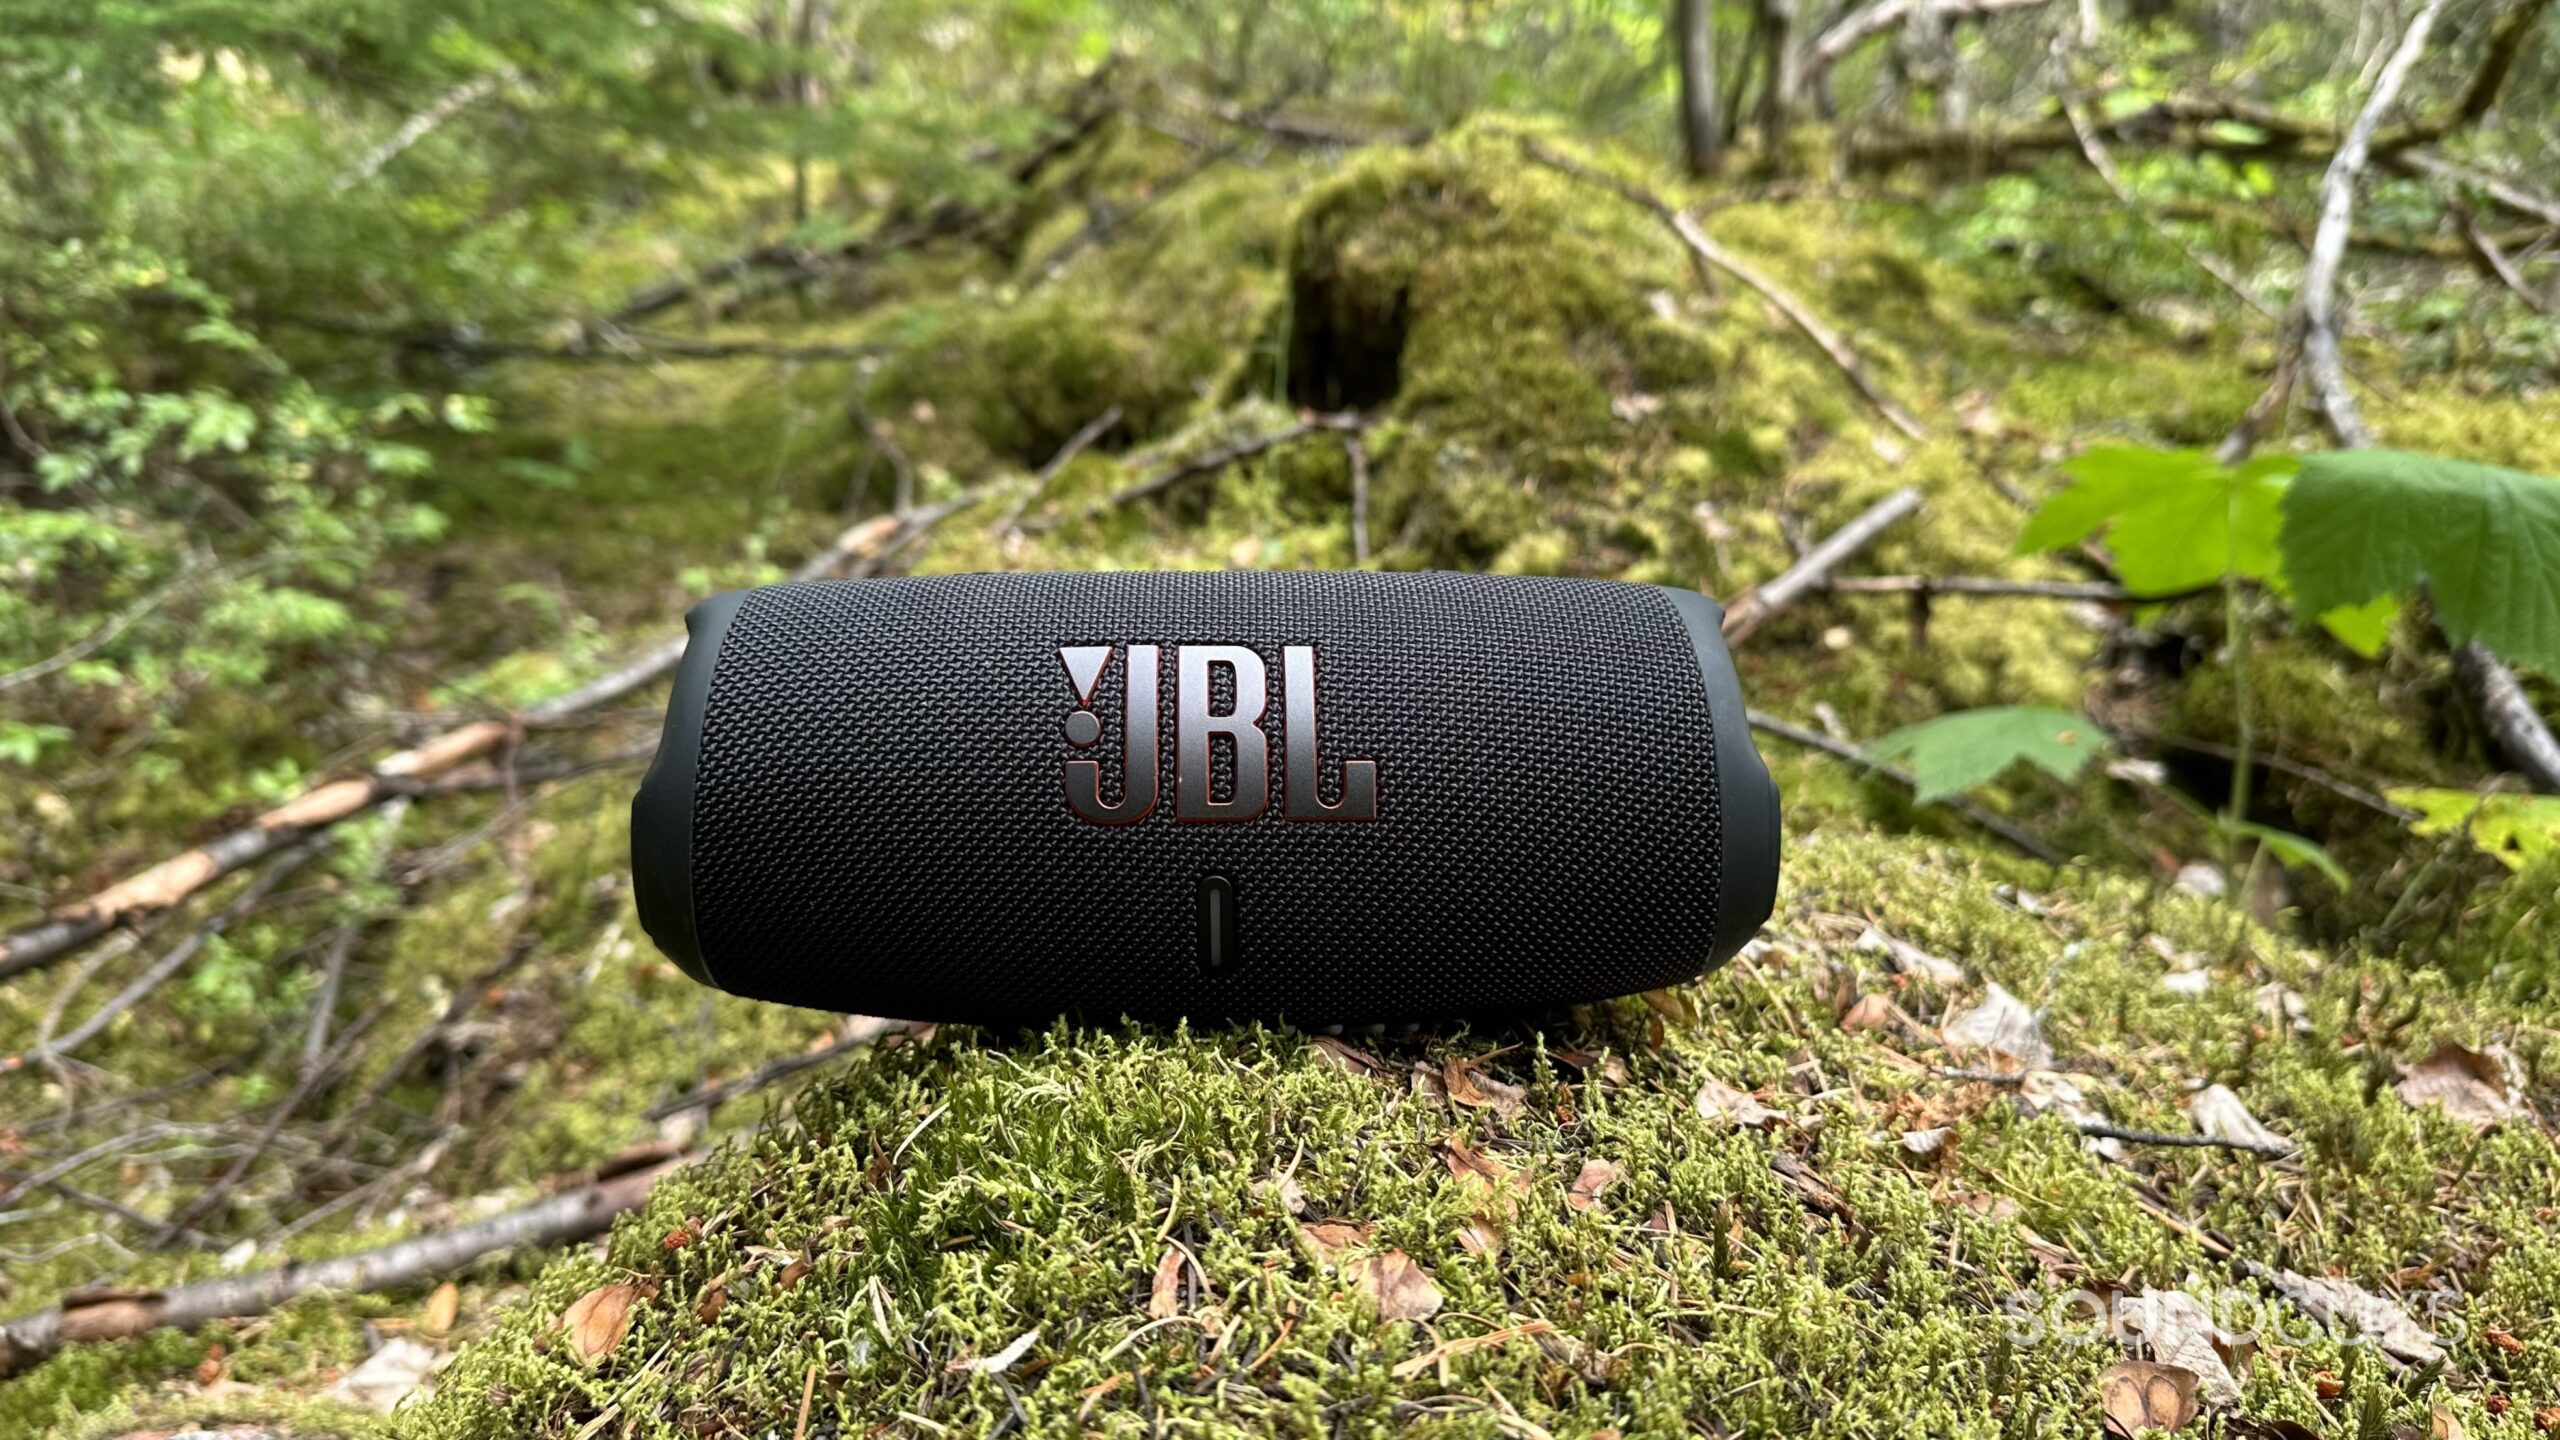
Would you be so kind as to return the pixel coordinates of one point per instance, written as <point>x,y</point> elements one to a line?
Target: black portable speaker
<point>1316,798</point>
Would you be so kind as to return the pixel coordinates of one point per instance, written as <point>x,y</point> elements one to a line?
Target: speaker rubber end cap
<point>662,811</point>
<point>1747,881</point>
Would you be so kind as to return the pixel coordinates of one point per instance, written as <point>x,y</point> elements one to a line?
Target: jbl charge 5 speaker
<point>1313,798</point>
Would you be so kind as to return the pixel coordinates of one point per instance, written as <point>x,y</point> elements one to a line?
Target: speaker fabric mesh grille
<point>880,822</point>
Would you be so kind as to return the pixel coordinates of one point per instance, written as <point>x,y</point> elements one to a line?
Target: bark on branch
<point>115,1314</point>
<point>1834,44</point>
<point>1753,607</point>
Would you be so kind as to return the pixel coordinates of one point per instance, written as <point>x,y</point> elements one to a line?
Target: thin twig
<point>1094,429</point>
<point>1986,586</point>
<point>2344,789</point>
<point>1706,250</point>
<point>1211,461</point>
<point>1816,740</point>
<point>1750,610</point>
<point>863,1032</point>
<point>117,1315</point>
<point>181,953</point>
<point>2101,1130</point>
<point>1355,452</point>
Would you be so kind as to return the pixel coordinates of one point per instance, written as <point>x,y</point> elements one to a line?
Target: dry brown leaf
<point>1165,1300</point>
<point>793,1273</point>
<point>2445,1426</point>
<point>1910,959</point>
<point>2351,1311</point>
<point>1872,1011</point>
<point>2221,1114</point>
<point>1610,1069</point>
<point>1407,1369</point>
<point>2140,1395</point>
<point>1726,1105</point>
<point>1402,1289</point>
<point>444,1306</point>
<point>1497,1185</point>
<point>1466,1085</point>
<point>2001,1025</point>
<point>1594,1177</point>
<point>1284,1191</point>
<point>1350,1059</point>
<point>2476,1087</point>
<point>1927,1143</point>
<point>2181,1333</point>
<point>1329,1238</point>
<point>715,1298</point>
<point>1481,1235</point>
<point>597,1320</point>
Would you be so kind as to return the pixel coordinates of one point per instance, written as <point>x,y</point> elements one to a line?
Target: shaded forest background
<point>2121,429</point>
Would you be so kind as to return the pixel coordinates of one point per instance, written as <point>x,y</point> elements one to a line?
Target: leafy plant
<point>2517,829</point>
<point>2375,526</point>
<point>1959,751</point>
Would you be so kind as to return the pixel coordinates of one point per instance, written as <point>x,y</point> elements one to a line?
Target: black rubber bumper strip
<point>1747,875</point>
<point>662,813</point>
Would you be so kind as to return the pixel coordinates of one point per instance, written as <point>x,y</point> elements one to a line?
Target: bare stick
<point>1753,607</point>
<point>1835,43</point>
<point>1212,461</point>
<point>426,122</point>
<point>2485,245</point>
<point>1355,451</point>
<point>863,1031</point>
<point>1708,252</point>
<point>2504,708</point>
<point>1986,586</point>
<point>2510,197</point>
<point>120,1314</point>
<point>1816,740</point>
<point>1077,444</point>
<point>177,958</point>
<point>327,804</point>
<point>2324,367</point>
<point>2099,160</point>
<point>2343,789</point>
<point>2101,1130</point>
<point>342,945</point>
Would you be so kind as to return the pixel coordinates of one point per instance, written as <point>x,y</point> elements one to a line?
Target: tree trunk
<point>1782,98</point>
<point>1701,128</point>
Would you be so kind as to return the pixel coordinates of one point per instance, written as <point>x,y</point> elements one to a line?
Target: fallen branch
<point>1751,609</point>
<point>2493,258</point>
<point>793,264</point>
<point>1708,252</point>
<point>2324,368</point>
<point>1834,44</point>
<point>1355,453</point>
<point>1816,740</point>
<point>862,1032</point>
<point>1209,462</point>
<point>50,1049</point>
<point>2520,731</point>
<point>2505,193</point>
<point>2095,150</point>
<point>2312,774</point>
<point>328,804</point>
<point>423,124</point>
<point>2101,1130</point>
<point>1988,586</point>
<point>111,1314</point>
<point>1094,429</point>
<point>609,344</point>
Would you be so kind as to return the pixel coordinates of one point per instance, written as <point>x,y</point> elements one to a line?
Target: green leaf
<point>2485,542</point>
<point>2517,829</point>
<point>2295,849</point>
<point>2365,628</point>
<point>2177,520</point>
<point>1958,751</point>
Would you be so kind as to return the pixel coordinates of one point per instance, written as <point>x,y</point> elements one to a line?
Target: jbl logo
<point>1196,728</point>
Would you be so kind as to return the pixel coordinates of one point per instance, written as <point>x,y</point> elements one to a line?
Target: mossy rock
<point>1112,1229</point>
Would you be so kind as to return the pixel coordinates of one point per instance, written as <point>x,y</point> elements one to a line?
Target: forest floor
<point>1961,1132</point>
